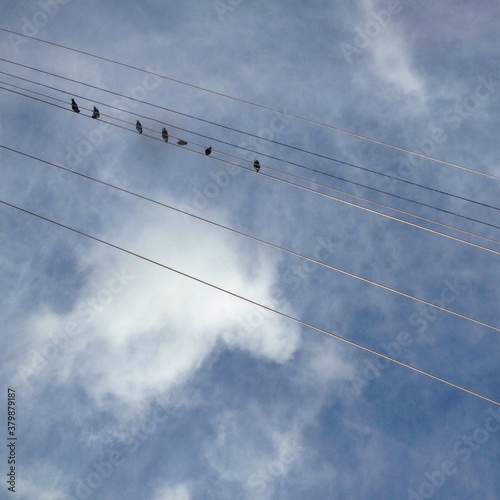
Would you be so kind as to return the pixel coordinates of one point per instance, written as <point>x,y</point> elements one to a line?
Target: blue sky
<point>135,382</point>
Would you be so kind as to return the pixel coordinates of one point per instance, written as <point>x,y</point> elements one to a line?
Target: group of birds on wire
<point>257,167</point>
<point>96,115</point>
<point>164,132</point>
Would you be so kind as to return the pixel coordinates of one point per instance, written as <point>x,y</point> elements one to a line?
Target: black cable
<point>249,134</point>
<point>297,177</point>
<point>313,191</point>
<point>268,108</point>
<point>255,303</point>
<point>263,154</point>
<point>259,240</point>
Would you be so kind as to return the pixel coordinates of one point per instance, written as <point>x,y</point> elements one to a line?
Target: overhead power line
<point>272,141</point>
<point>427,205</point>
<point>259,240</point>
<point>318,193</point>
<point>392,177</point>
<point>258,304</point>
<point>262,106</point>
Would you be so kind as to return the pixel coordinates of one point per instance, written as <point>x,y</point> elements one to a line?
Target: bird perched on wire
<point>96,113</point>
<point>74,106</point>
<point>256,165</point>
<point>138,127</point>
<point>208,150</point>
<point>164,134</point>
<point>181,142</point>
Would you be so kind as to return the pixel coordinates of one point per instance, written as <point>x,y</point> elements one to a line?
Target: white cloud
<point>388,46</point>
<point>149,332</point>
<point>176,492</point>
<point>254,449</point>
<point>259,447</point>
<point>39,481</point>
<point>87,394</point>
<point>393,64</point>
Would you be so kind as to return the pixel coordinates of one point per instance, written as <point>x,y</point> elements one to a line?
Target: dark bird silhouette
<point>181,142</point>
<point>164,134</point>
<point>74,106</point>
<point>138,127</point>
<point>256,165</point>
<point>208,150</point>
<point>96,113</point>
